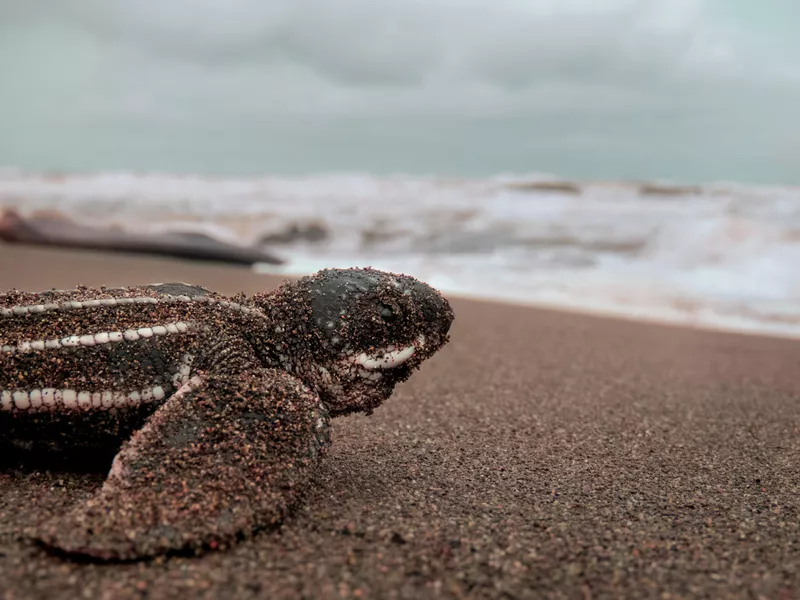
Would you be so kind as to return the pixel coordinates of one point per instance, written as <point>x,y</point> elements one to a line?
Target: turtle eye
<point>387,313</point>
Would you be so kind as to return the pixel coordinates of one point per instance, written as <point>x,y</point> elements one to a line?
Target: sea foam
<point>723,255</point>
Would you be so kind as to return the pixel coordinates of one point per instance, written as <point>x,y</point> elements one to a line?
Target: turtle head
<point>353,334</point>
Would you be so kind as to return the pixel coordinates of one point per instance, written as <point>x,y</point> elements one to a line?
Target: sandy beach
<point>540,454</point>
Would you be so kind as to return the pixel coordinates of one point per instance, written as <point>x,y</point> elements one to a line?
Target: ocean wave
<point>721,255</point>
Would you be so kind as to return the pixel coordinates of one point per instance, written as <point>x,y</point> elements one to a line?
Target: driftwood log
<point>50,230</point>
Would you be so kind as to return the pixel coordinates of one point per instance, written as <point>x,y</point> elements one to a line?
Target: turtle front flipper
<point>223,457</point>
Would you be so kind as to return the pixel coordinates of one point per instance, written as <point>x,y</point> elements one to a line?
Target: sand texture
<point>538,455</point>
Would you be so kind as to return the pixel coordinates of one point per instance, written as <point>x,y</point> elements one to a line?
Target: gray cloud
<point>362,42</point>
<point>663,79</point>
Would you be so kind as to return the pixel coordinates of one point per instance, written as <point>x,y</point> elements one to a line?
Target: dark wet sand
<point>541,454</point>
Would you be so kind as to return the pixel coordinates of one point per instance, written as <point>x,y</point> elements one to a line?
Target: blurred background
<point>636,157</point>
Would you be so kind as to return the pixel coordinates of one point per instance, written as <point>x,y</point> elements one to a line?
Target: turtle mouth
<point>390,357</point>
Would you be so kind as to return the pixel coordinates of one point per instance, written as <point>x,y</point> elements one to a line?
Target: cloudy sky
<point>688,90</point>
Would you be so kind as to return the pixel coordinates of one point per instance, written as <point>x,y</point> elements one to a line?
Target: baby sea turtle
<point>216,410</point>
